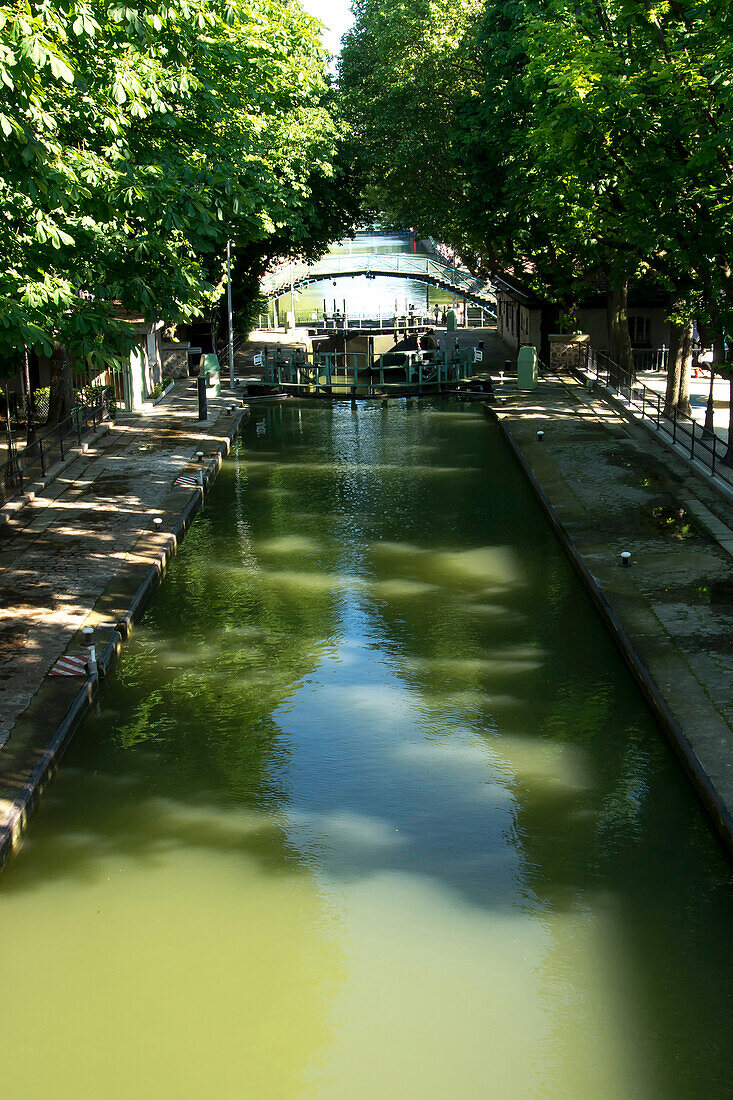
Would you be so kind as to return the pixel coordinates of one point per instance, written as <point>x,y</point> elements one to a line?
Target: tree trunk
<point>685,352</point>
<point>678,370</point>
<point>618,331</point>
<point>674,369</point>
<point>61,401</point>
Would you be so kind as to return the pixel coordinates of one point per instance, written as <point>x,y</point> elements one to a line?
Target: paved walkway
<point>59,552</point>
<point>613,488</point>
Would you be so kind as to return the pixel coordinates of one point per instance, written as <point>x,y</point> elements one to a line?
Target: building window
<point>640,331</point>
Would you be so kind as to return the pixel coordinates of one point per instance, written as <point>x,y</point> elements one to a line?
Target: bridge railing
<point>367,264</point>
<point>475,317</point>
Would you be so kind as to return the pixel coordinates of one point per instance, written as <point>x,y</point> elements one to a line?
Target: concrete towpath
<point>84,551</point>
<point>610,487</point>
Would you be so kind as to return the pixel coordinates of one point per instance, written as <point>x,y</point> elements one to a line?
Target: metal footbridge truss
<point>391,265</point>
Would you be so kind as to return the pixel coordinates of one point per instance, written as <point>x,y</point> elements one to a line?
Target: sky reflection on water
<point>370,807</point>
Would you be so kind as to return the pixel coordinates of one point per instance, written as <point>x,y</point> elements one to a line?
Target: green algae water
<point>370,808</point>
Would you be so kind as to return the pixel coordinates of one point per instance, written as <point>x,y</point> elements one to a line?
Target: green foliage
<point>133,143</point>
<point>570,140</point>
<point>86,395</point>
<point>159,388</point>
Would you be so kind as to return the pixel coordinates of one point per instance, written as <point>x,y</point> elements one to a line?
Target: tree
<point>134,143</point>
<point>589,140</point>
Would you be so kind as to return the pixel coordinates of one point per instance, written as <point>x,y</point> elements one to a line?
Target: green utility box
<point>451,320</point>
<point>527,368</point>
<point>211,372</point>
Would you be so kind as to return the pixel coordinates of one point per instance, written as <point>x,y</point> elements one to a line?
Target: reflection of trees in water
<point>220,651</point>
<point>602,807</point>
<point>503,643</point>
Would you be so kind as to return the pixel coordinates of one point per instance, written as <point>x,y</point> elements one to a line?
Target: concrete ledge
<point>31,765</point>
<point>703,784</point>
<point>30,757</point>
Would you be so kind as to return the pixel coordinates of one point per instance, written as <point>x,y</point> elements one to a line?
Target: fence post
<point>674,425</point>
<point>692,440</point>
<point>61,441</point>
<point>659,410</point>
<point>40,452</point>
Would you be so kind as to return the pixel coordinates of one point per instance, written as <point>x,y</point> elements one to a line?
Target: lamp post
<point>292,295</point>
<point>229,312</point>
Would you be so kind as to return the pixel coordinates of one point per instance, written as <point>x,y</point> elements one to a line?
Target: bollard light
<point>626,558</point>
<point>200,456</point>
<point>157,523</point>
<point>87,631</point>
<point>501,377</point>
<point>540,435</point>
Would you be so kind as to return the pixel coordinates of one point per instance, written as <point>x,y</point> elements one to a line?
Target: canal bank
<point>608,489</point>
<point>84,550</point>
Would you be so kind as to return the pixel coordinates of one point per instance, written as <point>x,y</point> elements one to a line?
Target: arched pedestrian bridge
<point>392,265</point>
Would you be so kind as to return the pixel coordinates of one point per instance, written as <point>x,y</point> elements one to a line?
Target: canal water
<point>362,297</point>
<point>370,807</point>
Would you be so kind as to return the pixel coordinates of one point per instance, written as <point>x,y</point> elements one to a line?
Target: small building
<point>132,382</point>
<point>145,368</point>
<point>523,318</point>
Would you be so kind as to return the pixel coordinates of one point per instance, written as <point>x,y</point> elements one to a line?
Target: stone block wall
<point>174,358</point>
<point>568,352</point>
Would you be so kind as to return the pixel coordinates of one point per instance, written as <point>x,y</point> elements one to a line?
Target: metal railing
<point>402,264</point>
<point>475,317</point>
<point>650,358</point>
<point>222,349</point>
<point>49,446</point>
<point>361,373</point>
<point>704,445</point>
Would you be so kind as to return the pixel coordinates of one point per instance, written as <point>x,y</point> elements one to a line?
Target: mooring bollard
<point>625,558</point>
<point>201,388</point>
<point>157,523</point>
<point>199,456</point>
<point>88,632</point>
